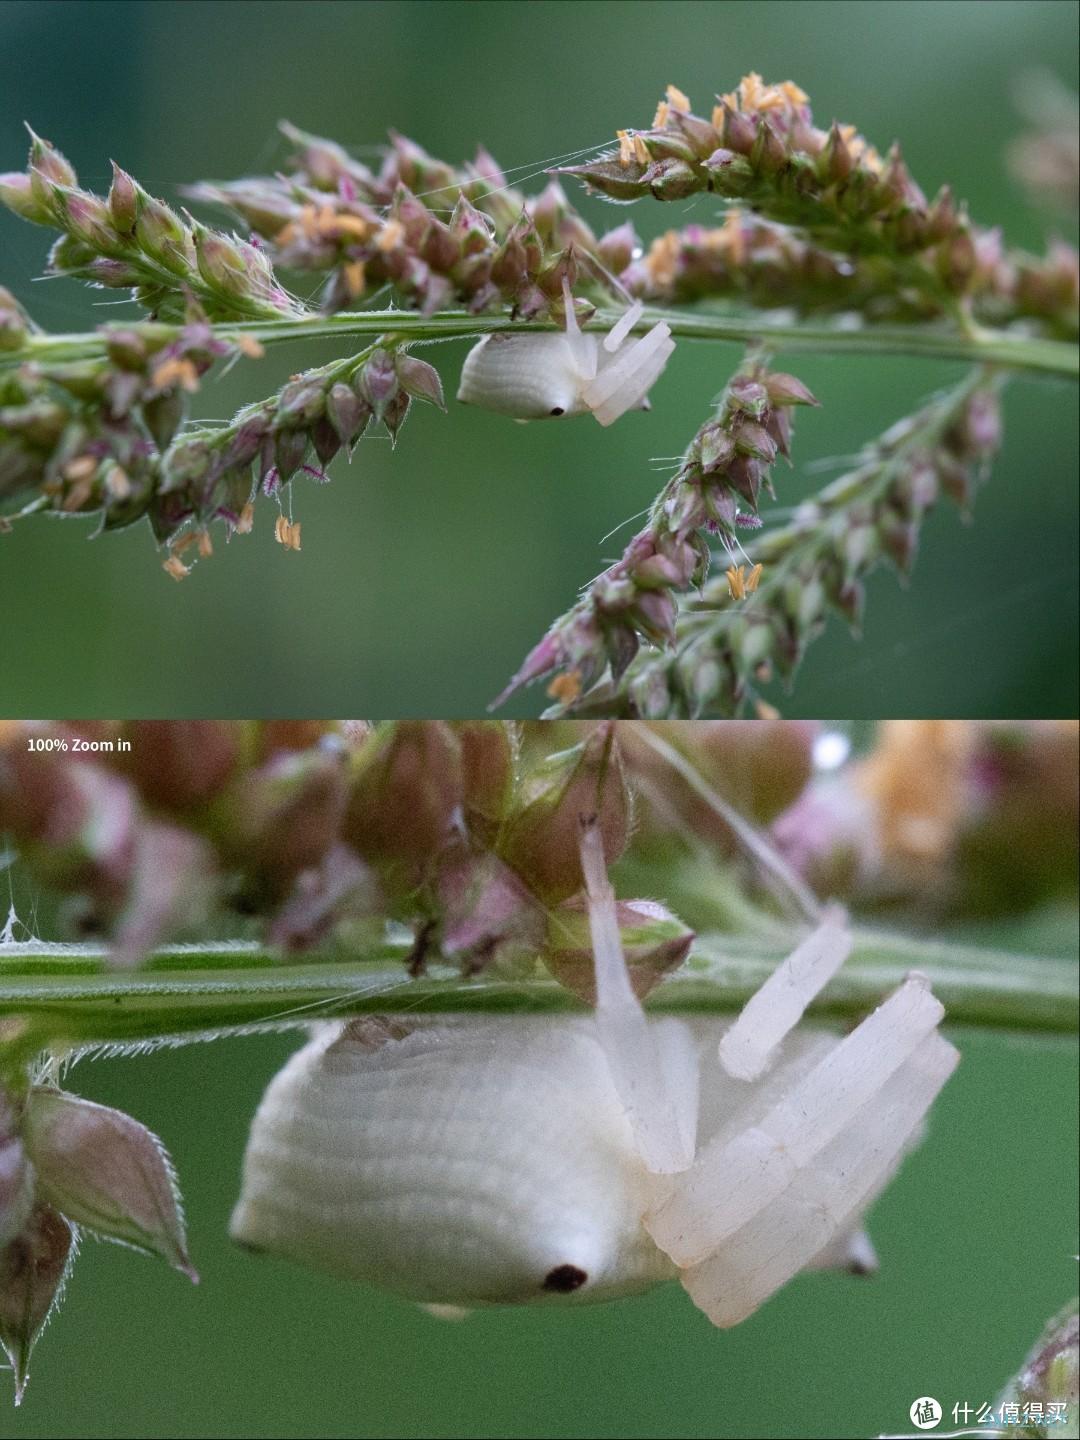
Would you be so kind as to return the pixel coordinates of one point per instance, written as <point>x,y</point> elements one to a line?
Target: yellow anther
<point>176,372</point>
<point>249,346</point>
<point>566,688</point>
<point>352,272</point>
<point>176,568</point>
<point>391,235</point>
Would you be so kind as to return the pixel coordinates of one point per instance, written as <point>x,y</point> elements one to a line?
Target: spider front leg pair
<point>484,1160</point>
<point>535,377</point>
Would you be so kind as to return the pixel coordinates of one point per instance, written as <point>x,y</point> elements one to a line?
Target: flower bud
<point>420,379</point>
<point>347,412</point>
<point>113,274</point>
<point>299,403</point>
<point>673,179</point>
<point>899,539</point>
<point>290,448</point>
<point>486,912</point>
<point>547,210</point>
<point>405,798</point>
<point>654,612</point>
<point>102,1169</point>
<point>783,389</point>
<point>618,247</point>
<point>220,261</point>
<point>487,759</point>
<point>275,736</point>
<point>397,412</point>
<point>164,415</point>
<point>123,201</point>
<point>761,766</point>
<point>753,439</point>
<point>33,1268</point>
<point>285,816</point>
<point>768,154</point>
<point>13,325</point>
<point>540,839</point>
<point>340,887</point>
<point>378,382</point>
<point>48,161</point>
<point>17,193</point>
<point>1050,1376</point>
<point>828,835</point>
<point>738,129</point>
<point>16,1176</point>
<point>957,260</point>
<point>471,230</point>
<point>654,942</point>
<point>729,173</point>
<point>76,821</point>
<point>180,764</point>
<point>87,219</point>
<point>161,234</point>
<point>168,887</point>
<point>835,162</point>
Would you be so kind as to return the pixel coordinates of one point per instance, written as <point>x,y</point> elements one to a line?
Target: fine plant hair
<point>825,245</point>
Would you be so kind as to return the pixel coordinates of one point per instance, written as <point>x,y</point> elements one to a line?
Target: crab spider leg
<point>749,1171</point>
<point>582,347</point>
<point>622,327</point>
<point>850,1250</point>
<point>747,1049</point>
<point>823,1199</point>
<point>653,1067</point>
<point>622,384</point>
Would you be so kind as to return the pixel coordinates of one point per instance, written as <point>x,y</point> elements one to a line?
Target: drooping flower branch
<point>757,619</point>
<point>714,492</point>
<point>878,233</point>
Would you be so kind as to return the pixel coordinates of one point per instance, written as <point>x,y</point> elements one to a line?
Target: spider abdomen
<point>465,1162</point>
<point>531,377</point>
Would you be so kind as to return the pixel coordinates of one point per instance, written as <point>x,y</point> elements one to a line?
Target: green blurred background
<point>426,574</point>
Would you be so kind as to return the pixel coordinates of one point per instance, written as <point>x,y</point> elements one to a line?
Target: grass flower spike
<point>825,244</point>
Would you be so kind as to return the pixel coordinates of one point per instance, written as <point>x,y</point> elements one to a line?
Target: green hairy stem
<point>986,346</point>
<point>64,997</point>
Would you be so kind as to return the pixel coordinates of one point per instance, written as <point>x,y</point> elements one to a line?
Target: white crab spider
<point>498,1160</point>
<point>532,377</point>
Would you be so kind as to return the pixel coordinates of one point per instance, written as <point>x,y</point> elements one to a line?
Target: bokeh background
<point>427,573</point>
<point>977,1240</point>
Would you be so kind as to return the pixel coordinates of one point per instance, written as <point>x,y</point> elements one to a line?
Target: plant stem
<point>1015,352</point>
<point>65,997</point>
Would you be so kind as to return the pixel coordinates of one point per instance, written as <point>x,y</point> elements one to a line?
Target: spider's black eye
<point>558,410</point>
<point>565,1278</point>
